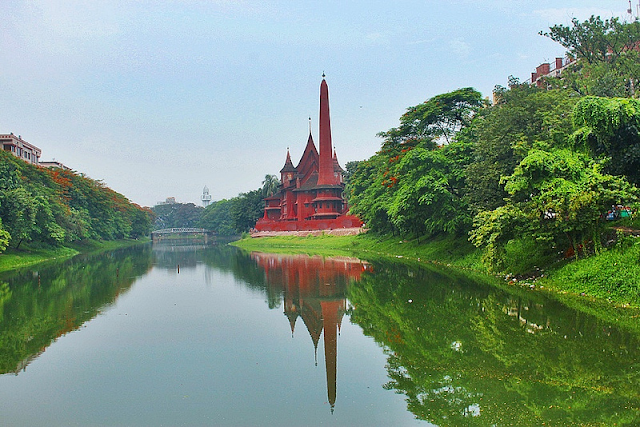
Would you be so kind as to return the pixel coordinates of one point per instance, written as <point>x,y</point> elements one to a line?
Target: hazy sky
<point>160,98</point>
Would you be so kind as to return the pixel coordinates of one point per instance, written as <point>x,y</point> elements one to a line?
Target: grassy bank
<point>612,276</point>
<point>452,251</point>
<point>26,256</point>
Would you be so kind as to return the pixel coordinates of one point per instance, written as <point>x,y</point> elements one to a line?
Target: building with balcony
<point>20,148</point>
<point>546,69</point>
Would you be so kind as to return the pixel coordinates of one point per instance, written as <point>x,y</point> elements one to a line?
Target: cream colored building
<point>20,148</point>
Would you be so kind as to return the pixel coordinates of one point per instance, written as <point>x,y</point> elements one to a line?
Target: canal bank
<point>605,285</point>
<point>13,259</point>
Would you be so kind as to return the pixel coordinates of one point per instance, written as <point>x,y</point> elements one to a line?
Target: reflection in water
<point>460,352</point>
<point>169,256</point>
<point>40,304</point>
<point>314,289</point>
<point>464,354</point>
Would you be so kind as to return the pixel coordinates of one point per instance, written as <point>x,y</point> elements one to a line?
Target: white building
<point>206,197</point>
<point>20,148</point>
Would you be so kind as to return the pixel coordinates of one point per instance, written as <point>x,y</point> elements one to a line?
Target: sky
<point>158,98</point>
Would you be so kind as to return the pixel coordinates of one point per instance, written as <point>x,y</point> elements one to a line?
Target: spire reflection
<point>314,288</point>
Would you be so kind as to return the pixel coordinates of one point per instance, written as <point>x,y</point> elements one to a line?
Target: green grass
<point>13,259</point>
<point>613,275</point>
<point>455,251</point>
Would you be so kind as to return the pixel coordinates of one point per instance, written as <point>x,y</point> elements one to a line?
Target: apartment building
<point>20,148</point>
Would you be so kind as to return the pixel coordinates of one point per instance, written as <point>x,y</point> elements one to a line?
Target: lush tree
<point>607,53</point>
<point>415,182</point>
<point>595,40</point>
<point>217,217</point>
<point>53,206</point>
<point>437,119</point>
<point>554,197</point>
<point>349,169</point>
<point>523,118</point>
<point>18,214</point>
<point>5,238</point>
<point>610,129</point>
<point>176,215</point>
<point>246,209</point>
<point>370,192</point>
<point>430,196</point>
<point>141,221</point>
<point>9,175</point>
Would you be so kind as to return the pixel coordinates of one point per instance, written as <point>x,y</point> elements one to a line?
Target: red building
<point>310,195</point>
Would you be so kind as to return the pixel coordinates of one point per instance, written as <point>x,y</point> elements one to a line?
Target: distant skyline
<point>159,98</point>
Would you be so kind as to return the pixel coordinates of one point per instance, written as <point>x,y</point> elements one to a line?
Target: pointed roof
<point>336,165</point>
<point>308,163</point>
<point>325,164</point>
<point>288,164</point>
<point>311,146</point>
<point>292,315</point>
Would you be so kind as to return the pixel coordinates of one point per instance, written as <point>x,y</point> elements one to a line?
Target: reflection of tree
<point>36,307</point>
<point>465,354</point>
<point>167,256</point>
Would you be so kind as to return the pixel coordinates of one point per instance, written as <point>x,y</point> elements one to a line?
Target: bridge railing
<point>181,231</point>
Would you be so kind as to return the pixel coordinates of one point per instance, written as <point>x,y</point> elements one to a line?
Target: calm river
<point>194,336</point>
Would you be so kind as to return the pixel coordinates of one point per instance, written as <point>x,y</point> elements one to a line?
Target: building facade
<point>54,164</point>
<point>544,70</point>
<point>206,197</point>
<point>20,148</point>
<point>310,195</point>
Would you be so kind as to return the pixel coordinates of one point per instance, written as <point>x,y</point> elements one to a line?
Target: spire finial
<point>323,76</point>
<point>309,125</point>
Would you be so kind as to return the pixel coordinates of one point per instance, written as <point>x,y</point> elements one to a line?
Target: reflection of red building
<point>314,289</point>
<point>310,195</point>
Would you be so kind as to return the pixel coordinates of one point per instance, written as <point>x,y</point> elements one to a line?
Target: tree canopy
<point>55,206</point>
<point>541,166</point>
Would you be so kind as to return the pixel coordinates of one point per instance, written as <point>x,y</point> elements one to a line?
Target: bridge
<point>181,233</point>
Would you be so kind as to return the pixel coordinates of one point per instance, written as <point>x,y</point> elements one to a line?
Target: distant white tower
<point>206,197</point>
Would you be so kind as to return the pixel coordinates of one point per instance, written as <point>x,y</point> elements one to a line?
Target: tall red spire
<point>325,167</point>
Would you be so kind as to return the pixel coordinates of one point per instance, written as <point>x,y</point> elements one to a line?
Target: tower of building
<point>326,174</point>
<point>206,197</point>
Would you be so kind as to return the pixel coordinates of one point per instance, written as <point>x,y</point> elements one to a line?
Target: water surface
<point>195,336</point>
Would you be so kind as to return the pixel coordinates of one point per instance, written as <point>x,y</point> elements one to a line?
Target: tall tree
<point>610,129</point>
<point>270,185</point>
<point>607,53</point>
<point>524,117</point>
<point>415,182</point>
<point>437,119</point>
<point>595,40</point>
